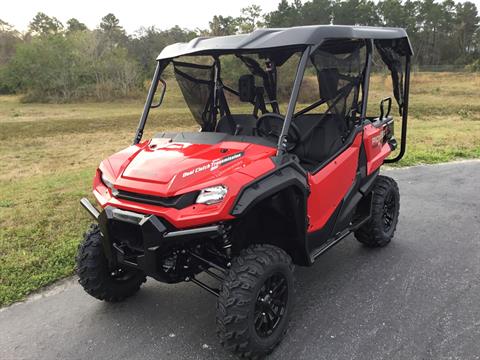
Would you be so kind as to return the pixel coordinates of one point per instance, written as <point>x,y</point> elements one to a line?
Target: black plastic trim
<point>283,176</point>
<point>154,238</point>
<point>276,39</point>
<point>212,138</point>
<point>288,175</point>
<point>316,239</point>
<point>193,233</point>
<point>178,202</point>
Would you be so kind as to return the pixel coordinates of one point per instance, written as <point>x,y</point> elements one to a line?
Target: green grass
<point>49,152</point>
<point>444,116</point>
<point>41,224</point>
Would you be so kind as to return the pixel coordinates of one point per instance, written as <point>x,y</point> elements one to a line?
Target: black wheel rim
<point>121,274</point>
<point>271,304</point>
<point>389,211</point>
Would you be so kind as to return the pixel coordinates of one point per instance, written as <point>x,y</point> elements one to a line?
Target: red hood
<point>167,168</point>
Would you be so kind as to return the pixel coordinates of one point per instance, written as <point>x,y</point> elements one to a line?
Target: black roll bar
<point>148,105</point>
<point>406,93</point>
<point>282,140</point>
<point>366,80</point>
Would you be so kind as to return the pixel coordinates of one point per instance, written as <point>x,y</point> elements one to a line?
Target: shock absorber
<point>226,243</point>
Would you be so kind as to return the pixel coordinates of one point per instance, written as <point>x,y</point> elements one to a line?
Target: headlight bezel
<point>106,181</point>
<point>212,195</point>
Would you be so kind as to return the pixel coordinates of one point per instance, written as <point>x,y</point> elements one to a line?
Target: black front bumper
<point>140,241</point>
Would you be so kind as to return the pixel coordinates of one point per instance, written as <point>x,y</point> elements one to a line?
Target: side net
<point>393,54</point>
<point>339,67</point>
<point>197,85</point>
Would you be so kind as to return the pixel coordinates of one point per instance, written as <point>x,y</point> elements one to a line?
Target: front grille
<point>177,202</point>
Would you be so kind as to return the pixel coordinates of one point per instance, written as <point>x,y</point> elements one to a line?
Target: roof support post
<point>282,140</point>
<point>148,105</point>
<point>366,80</point>
<point>215,98</point>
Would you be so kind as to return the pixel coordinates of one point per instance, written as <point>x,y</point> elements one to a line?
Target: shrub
<point>6,84</point>
<point>473,67</point>
<point>62,68</point>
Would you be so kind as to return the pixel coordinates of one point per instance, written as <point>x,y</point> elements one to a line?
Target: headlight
<point>107,181</point>
<point>212,195</point>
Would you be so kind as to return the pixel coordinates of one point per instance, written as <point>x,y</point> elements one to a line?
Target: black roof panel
<point>281,37</point>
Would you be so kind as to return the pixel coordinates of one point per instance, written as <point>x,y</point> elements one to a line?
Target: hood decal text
<point>213,165</point>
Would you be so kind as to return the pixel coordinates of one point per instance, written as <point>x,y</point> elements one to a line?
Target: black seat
<point>324,138</point>
<point>240,124</point>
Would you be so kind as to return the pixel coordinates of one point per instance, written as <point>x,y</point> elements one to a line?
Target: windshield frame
<point>162,64</point>
<point>290,113</point>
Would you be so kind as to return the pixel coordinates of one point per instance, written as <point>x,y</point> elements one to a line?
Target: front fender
<point>282,177</point>
<point>291,179</point>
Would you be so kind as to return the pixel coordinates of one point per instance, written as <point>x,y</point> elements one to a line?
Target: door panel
<point>330,185</point>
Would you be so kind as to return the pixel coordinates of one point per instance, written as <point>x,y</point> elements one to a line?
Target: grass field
<point>49,153</point>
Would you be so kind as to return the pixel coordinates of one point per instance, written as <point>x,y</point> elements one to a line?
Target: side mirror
<point>246,88</point>
<point>387,100</point>
<point>162,94</point>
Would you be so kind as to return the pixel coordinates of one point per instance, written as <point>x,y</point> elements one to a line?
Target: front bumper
<point>140,241</point>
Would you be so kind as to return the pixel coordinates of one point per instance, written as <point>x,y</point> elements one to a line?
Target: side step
<point>329,244</point>
<point>339,237</point>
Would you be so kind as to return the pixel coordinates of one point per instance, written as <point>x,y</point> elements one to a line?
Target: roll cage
<point>392,45</point>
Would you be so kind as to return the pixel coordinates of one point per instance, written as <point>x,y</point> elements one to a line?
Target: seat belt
<point>335,101</point>
<point>225,110</point>
<point>259,102</point>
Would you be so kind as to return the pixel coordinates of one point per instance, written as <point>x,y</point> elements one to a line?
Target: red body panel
<point>329,186</point>
<point>166,169</point>
<point>375,148</point>
<point>163,168</point>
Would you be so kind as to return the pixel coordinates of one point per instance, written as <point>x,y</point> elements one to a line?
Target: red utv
<point>263,185</point>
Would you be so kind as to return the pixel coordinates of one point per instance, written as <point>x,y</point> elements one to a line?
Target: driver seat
<point>243,124</point>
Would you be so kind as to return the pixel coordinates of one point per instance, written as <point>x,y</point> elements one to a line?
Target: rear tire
<point>95,276</point>
<point>255,301</point>
<point>379,230</point>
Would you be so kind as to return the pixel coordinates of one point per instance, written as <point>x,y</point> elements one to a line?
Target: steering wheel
<point>270,126</point>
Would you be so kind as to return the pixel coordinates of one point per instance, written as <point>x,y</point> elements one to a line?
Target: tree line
<point>60,62</point>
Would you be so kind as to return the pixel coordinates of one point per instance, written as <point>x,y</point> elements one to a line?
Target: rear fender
<point>377,147</point>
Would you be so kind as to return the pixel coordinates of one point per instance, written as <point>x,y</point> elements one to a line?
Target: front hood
<point>167,168</point>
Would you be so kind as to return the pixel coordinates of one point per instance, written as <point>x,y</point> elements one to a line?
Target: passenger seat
<point>324,140</point>
<point>242,124</point>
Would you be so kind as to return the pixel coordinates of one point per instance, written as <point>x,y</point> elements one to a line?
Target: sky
<point>163,14</point>
<point>132,14</point>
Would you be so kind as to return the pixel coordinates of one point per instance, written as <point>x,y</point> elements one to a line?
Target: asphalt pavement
<point>418,298</point>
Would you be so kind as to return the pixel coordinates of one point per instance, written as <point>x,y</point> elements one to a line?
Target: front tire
<point>255,301</point>
<point>379,230</point>
<point>95,276</point>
